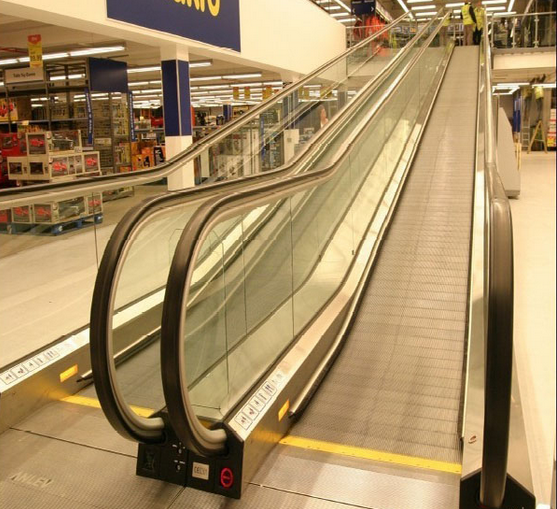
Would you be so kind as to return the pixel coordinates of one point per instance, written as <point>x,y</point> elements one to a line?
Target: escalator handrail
<point>119,414</point>
<point>500,294</point>
<point>57,190</point>
<point>184,421</point>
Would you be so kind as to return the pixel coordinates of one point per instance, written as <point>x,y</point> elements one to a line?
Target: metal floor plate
<point>357,482</point>
<point>396,385</point>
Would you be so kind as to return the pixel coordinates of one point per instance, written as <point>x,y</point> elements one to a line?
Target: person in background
<point>526,93</point>
<point>538,95</point>
<point>469,21</point>
<point>479,13</point>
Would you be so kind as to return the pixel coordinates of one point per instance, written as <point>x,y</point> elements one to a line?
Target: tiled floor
<point>534,242</point>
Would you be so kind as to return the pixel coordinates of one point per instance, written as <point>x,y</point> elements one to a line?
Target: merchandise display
<point>51,156</point>
<point>551,129</point>
<point>11,145</point>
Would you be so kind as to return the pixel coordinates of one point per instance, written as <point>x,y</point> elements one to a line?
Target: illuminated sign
<point>215,22</point>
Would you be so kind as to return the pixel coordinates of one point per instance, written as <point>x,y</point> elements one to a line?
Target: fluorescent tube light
<point>403,5</point>
<point>511,5</point>
<point>151,68</point>
<point>206,78</point>
<point>422,7</point>
<point>242,76</point>
<point>347,20</point>
<point>429,13</point>
<point>54,56</point>
<point>68,77</point>
<point>201,63</point>
<point>457,4</point>
<point>493,2</point>
<point>340,14</point>
<point>489,9</point>
<point>96,51</point>
<point>8,61</point>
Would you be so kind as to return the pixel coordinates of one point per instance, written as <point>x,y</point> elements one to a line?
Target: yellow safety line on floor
<point>369,454</point>
<point>94,403</point>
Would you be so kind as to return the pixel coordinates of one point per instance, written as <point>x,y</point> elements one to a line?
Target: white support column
<point>177,111</point>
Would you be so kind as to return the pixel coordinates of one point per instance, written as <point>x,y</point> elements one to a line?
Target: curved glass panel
<point>295,251</point>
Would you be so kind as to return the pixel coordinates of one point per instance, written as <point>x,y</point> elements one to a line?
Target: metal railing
<point>499,296</point>
<point>532,30</point>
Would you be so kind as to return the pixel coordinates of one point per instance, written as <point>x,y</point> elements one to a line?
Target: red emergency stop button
<point>226,478</point>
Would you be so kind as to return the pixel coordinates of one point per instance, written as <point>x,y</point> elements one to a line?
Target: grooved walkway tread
<point>396,385</point>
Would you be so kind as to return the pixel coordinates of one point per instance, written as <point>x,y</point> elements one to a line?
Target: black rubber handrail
<point>185,423</point>
<point>122,418</point>
<point>89,185</point>
<point>500,294</point>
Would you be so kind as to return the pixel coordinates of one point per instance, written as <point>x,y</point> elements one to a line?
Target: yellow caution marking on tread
<point>94,403</point>
<point>370,454</point>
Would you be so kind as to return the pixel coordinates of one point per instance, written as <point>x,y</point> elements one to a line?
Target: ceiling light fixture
<point>422,7</point>
<point>151,68</point>
<point>205,78</point>
<point>242,76</point>
<point>68,77</point>
<point>96,51</point>
<point>201,63</point>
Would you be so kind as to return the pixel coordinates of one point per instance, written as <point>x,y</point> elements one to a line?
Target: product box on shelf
<point>18,168</point>
<point>92,162</point>
<point>36,143</point>
<point>38,168</point>
<point>59,212</point>
<point>59,166</point>
<point>52,142</point>
<point>5,216</point>
<point>94,204</point>
<point>159,154</point>
<point>22,214</point>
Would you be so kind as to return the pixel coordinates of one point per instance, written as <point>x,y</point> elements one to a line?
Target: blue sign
<point>361,7</point>
<point>89,109</point>
<point>133,136</point>
<point>107,75</point>
<point>215,22</point>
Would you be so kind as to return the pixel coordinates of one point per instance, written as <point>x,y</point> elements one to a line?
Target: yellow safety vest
<point>538,92</point>
<point>479,12</point>
<point>466,18</point>
<point>447,22</point>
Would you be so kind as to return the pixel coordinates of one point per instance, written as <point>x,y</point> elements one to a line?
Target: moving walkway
<point>339,311</point>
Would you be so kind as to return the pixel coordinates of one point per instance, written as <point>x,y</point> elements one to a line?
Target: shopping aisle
<point>534,244</point>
